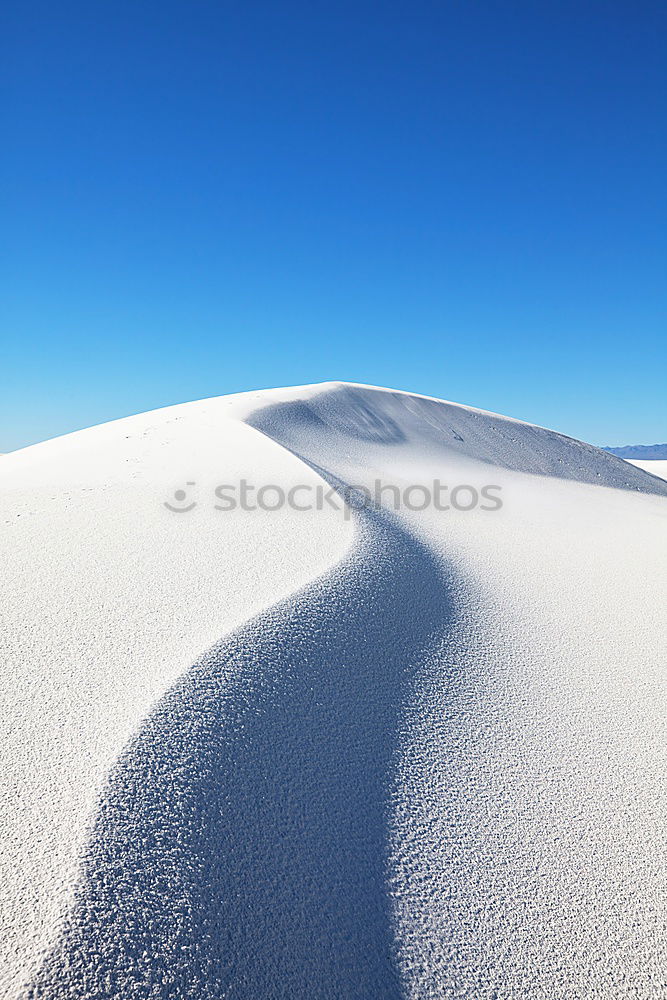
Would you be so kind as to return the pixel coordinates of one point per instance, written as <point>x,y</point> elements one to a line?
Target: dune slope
<point>425,756</point>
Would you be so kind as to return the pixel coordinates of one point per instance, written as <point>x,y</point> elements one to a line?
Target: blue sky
<point>465,199</point>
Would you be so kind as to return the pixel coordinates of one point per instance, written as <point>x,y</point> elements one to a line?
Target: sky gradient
<point>463,199</point>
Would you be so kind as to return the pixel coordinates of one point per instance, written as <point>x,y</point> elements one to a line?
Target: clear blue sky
<point>466,199</point>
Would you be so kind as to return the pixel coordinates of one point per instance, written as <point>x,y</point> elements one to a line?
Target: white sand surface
<point>656,466</point>
<point>372,753</point>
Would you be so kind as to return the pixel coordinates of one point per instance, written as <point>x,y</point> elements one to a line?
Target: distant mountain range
<point>646,451</point>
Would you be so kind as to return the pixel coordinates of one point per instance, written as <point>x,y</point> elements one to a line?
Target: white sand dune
<point>371,753</point>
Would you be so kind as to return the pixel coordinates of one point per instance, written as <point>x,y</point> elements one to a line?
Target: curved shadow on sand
<point>241,845</point>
